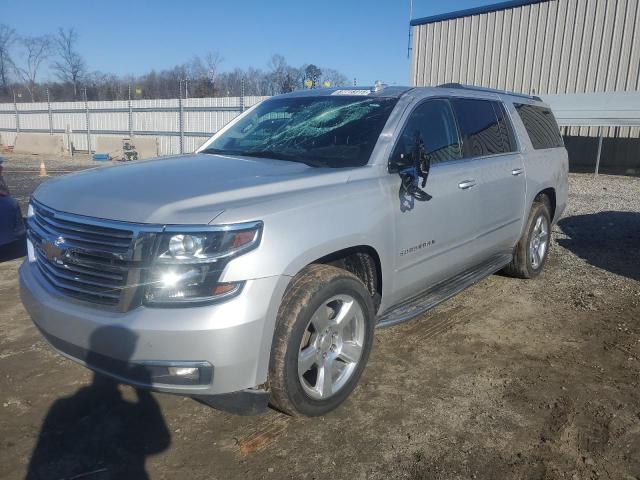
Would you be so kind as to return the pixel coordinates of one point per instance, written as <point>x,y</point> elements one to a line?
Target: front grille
<point>81,257</point>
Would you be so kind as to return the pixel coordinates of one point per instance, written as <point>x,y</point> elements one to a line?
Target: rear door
<point>488,138</point>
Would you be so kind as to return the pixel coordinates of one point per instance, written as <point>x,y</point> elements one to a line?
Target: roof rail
<point>489,90</point>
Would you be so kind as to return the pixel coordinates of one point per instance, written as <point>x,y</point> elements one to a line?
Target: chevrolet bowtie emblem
<point>54,250</point>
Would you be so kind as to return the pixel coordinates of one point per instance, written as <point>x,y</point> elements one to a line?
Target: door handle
<point>517,171</point>
<point>466,184</point>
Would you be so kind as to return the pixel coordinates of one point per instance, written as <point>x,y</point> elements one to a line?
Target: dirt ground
<point>510,379</point>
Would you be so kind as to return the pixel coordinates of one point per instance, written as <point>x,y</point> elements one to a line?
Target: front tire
<point>532,251</point>
<point>322,341</point>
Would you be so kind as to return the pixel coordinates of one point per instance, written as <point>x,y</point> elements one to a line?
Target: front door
<point>433,238</point>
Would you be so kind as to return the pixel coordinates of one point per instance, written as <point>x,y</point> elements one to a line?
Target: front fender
<point>302,228</point>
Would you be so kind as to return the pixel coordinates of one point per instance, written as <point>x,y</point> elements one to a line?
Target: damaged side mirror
<point>412,167</point>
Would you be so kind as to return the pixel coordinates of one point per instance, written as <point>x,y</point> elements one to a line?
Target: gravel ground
<point>510,379</point>
<point>22,172</point>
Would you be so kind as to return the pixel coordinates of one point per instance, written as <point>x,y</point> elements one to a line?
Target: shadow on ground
<point>96,433</point>
<point>607,240</point>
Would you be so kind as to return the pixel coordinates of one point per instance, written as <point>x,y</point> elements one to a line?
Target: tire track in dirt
<point>272,427</point>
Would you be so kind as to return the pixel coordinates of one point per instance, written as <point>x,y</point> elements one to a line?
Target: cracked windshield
<point>328,131</point>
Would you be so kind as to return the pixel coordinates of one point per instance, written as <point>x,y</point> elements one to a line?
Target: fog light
<point>184,372</point>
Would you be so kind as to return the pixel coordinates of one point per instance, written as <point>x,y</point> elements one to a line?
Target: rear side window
<point>541,126</point>
<point>484,127</point>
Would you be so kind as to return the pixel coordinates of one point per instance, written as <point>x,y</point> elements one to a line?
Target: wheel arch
<point>550,195</point>
<point>361,260</point>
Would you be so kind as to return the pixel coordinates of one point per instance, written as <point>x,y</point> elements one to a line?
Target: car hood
<point>188,189</point>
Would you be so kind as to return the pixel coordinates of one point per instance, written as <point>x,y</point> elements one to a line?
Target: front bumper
<point>230,341</point>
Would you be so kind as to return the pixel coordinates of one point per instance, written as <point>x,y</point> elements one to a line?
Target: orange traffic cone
<point>43,169</point>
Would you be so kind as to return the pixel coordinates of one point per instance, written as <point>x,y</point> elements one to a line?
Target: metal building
<point>537,47</point>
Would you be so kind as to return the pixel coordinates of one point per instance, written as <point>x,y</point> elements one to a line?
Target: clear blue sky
<point>365,40</point>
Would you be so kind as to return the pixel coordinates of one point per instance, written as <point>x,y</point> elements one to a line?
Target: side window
<point>433,123</point>
<point>479,127</point>
<point>506,128</point>
<point>541,126</point>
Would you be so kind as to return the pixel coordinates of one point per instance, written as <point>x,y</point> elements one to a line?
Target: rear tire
<point>532,251</point>
<point>322,341</point>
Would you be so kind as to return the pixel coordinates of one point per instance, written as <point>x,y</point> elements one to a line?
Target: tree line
<point>25,61</point>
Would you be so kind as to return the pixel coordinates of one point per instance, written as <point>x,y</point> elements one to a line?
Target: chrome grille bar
<point>90,278</point>
<point>83,293</point>
<point>119,242</point>
<point>85,258</point>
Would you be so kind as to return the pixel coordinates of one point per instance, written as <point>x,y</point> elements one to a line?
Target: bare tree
<point>284,77</point>
<point>7,39</point>
<point>333,77</point>
<point>36,50</point>
<point>22,66</point>
<point>70,66</point>
<point>213,60</point>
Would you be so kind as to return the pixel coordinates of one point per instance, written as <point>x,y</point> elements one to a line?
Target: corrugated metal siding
<point>559,46</point>
<point>155,119</point>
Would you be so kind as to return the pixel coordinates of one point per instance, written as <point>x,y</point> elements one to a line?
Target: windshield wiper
<point>283,156</point>
<point>220,151</point>
<point>266,154</point>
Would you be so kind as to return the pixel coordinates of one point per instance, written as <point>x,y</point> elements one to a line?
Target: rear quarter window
<point>541,126</point>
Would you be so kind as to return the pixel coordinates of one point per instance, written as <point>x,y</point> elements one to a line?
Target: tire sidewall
<point>537,210</point>
<point>303,403</point>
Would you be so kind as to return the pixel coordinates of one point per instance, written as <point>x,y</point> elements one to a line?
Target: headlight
<point>188,264</point>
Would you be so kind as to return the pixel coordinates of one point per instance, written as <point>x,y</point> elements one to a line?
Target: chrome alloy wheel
<point>331,347</point>
<point>538,242</point>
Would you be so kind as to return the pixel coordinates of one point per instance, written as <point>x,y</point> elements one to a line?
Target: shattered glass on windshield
<point>320,131</point>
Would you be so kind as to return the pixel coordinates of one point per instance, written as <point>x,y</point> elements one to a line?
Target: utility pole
<point>15,109</point>
<point>50,114</point>
<point>242,95</point>
<point>410,31</point>
<point>130,121</point>
<point>181,119</point>
<point>88,120</point>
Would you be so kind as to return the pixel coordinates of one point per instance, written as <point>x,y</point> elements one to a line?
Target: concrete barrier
<point>110,145</point>
<point>147,147</point>
<point>39,143</point>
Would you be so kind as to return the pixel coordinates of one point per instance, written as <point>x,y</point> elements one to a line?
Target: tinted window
<point>506,129</point>
<point>541,126</point>
<point>334,131</point>
<point>434,124</point>
<point>479,127</point>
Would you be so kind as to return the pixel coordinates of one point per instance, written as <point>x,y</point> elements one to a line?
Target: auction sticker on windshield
<point>352,92</point>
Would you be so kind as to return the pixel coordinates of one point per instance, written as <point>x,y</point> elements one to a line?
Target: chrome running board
<point>437,294</point>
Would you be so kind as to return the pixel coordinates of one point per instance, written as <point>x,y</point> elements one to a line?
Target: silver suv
<point>256,270</point>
